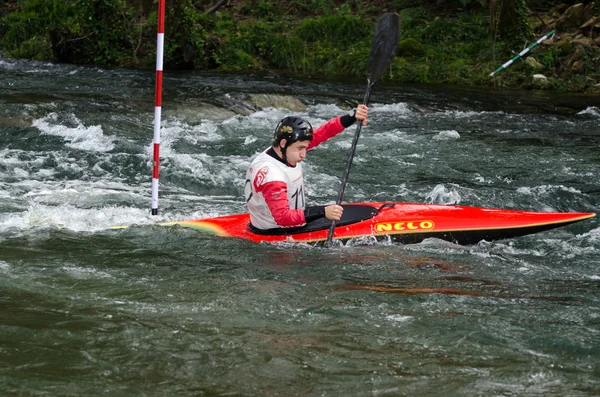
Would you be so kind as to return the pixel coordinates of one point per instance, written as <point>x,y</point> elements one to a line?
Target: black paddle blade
<point>383,46</point>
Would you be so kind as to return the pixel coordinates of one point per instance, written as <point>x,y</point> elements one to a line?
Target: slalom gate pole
<point>160,41</point>
<point>525,51</point>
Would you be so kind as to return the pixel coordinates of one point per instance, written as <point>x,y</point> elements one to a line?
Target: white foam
<point>394,135</point>
<point>80,137</point>
<point>447,135</point>
<point>326,111</point>
<point>249,139</point>
<point>546,189</point>
<point>85,273</point>
<point>399,110</point>
<point>4,266</point>
<point>592,111</point>
<point>593,236</point>
<point>442,195</point>
<point>460,114</point>
<point>73,218</point>
<point>399,318</point>
<point>207,131</point>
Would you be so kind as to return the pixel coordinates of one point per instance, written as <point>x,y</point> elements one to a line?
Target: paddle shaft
<point>349,161</point>
<point>383,49</point>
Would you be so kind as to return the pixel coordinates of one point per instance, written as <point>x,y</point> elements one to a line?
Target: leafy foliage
<point>25,34</point>
<point>339,31</point>
<point>443,40</point>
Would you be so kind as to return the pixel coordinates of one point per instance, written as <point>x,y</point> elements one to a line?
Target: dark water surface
<point>166,311</point>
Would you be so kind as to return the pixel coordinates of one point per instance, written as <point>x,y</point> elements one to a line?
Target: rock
<point>564,46</point>
<point>572,18</point>
<point>590,23</point>
<point>543,23</point>
<point>539,80</point>
<point>559,9</point>
<point>14,122</point>
<point>577,67</point>
<point>195,112</point>
<point>531,61</point>
<point>548,41</point>
<point>590,10</point>
<point>575,56</point>
<point>410,46</point>
<point>584,42</point>
<point>277,101</point>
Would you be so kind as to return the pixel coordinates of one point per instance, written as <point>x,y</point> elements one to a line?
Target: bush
<point>339,31</point>
<point>26,33</point>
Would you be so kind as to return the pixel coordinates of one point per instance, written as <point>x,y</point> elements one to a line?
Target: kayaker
<point>274,188</point>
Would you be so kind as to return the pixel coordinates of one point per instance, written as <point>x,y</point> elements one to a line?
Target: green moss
<point>410,47</point>
<point>564,46</point>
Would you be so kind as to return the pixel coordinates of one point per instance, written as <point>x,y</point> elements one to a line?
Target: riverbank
<point>440,43</point>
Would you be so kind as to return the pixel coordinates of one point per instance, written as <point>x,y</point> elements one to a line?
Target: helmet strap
<point>283,150</point>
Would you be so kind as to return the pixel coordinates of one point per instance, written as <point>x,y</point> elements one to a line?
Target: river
<point>158,311</point>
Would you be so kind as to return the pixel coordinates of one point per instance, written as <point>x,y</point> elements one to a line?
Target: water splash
<point>79,137</point>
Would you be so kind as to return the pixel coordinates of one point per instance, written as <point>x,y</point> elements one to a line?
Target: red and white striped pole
<point>160,41</point>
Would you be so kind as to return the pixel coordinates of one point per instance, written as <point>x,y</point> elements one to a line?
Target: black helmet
<point>293,129</point>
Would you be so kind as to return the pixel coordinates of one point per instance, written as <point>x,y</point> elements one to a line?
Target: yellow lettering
<point>426,225</point>
<point>399,226</point>
<point>383,227</point>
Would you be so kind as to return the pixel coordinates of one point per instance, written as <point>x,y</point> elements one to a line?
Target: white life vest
<point>266,169</point>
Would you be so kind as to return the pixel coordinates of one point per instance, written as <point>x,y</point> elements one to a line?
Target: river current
<point>159,311</point>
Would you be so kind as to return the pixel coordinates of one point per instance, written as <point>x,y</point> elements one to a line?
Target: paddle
<point>383,50</point>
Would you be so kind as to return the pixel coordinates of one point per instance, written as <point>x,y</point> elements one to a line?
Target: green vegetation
<point>443,41</point>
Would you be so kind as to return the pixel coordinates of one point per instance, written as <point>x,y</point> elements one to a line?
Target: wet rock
<point>198,111</point>
<point>277,101</point>
<point>14,122</point>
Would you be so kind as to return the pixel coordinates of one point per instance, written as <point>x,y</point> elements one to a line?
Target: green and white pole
<point>525,51</point>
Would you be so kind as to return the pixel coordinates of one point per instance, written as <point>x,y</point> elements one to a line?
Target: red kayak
<point>402,222</point>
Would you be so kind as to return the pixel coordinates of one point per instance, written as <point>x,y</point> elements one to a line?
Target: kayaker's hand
<point>362,111</point>
<point>334,212</point>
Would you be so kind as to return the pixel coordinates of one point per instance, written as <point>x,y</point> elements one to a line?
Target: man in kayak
<point>274,188</point>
